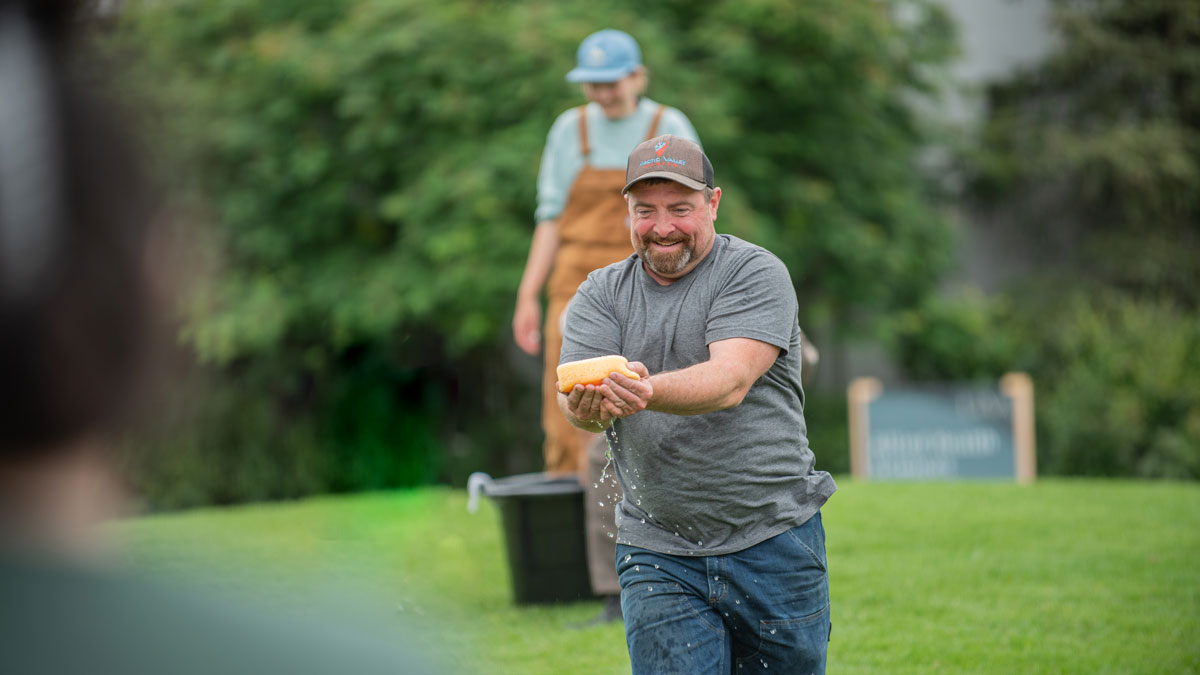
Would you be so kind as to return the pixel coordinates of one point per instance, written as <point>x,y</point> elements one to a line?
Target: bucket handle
<point>476,485</point>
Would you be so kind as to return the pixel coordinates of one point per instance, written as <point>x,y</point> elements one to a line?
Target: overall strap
<point>654,123</point>
<point>584,148</point>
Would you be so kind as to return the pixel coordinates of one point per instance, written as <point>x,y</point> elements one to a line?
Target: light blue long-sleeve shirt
<point>610,142</point>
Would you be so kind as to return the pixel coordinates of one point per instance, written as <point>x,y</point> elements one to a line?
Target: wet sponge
<point>592,371</point>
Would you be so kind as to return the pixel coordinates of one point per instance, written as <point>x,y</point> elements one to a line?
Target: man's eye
<point>680,211</point>
<point>643,214</point>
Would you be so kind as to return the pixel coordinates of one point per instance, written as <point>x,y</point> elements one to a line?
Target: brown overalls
<point>593,231</point>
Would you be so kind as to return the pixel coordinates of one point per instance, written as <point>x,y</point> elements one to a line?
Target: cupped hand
<point>625,396</point>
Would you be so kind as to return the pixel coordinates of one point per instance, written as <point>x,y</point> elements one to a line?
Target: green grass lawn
<point>1059,577</point>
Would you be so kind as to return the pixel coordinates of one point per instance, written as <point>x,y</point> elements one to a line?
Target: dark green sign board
<point>941,431</point>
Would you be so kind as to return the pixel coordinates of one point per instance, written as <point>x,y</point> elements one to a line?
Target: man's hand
<point>625,396</point>
<point>595,406</point>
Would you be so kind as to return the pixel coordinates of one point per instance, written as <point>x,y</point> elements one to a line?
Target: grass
<point>1059,577</point>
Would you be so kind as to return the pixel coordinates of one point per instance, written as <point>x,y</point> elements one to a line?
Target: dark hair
<point>74,298</point>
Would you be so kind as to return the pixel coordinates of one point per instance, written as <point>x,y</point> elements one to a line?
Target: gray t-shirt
<point>724,481</point>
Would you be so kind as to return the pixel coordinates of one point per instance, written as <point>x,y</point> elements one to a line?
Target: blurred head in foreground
<point>80,286</point>
<point>76,294</point>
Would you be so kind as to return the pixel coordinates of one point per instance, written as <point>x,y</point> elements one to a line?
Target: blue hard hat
<point>606,56</point>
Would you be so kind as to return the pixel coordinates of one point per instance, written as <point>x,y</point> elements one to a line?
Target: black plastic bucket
<point>543,522</point>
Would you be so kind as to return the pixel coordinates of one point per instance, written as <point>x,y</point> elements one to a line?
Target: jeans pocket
<point>810,538</point>
<point>791,645</point>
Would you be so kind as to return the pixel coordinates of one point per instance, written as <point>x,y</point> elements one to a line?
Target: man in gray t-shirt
<point>720,522</point>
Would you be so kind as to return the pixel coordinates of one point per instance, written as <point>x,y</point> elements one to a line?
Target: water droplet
<point>689,644</point>
<point>737,602</point>
<point>772,631</point>
<point>643,520</point>
<point>637,568</point>
<point>651,589</point>
<point>656,567</point>
<point>595,485</point>
<point>632,487</point>
<point>699,543</point>
<point>610,535</point>
<point>639,502</point>
<point>627,557</point>
<point>726,613</point>
<point>716,578</point>
<point>600,503</point>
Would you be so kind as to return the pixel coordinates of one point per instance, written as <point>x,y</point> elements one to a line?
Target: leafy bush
<point>1117,390</point>
<point>960,337</point>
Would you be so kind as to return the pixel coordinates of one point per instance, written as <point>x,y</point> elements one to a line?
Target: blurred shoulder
<point>565,126</point>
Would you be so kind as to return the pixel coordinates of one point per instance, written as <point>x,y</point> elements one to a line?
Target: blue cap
<point>606,56</point>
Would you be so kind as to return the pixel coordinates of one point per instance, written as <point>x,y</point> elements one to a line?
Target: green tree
<point>1101,144</point>
<point>1095,155</point>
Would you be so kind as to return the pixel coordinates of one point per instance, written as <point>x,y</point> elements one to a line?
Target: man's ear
<point>714,203</point>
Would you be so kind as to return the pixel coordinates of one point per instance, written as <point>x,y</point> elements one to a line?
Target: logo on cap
<point>597,57</point>
<point>660,148</point>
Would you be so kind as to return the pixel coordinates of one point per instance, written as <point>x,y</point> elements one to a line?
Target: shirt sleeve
<point>551,193</point>
<point>591,327</point>
<point>756,301</point>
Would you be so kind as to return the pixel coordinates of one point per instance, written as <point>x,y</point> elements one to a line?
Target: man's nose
<point>662,225</point>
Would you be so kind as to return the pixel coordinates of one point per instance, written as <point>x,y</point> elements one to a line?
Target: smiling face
<point>671,226</point>
<point>618,99</point>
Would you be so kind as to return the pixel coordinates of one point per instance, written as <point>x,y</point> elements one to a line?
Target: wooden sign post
<point>943,431</point>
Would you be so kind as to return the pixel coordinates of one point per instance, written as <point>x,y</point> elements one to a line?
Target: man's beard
<point>667,263</point>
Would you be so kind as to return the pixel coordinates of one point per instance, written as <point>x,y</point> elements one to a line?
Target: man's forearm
<point>721,382</point>
<point>703,388</point>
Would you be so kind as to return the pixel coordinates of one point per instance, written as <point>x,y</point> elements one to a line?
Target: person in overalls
<point>582,225</point>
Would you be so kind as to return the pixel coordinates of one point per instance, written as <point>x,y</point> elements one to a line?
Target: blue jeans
<point>764,609</point>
